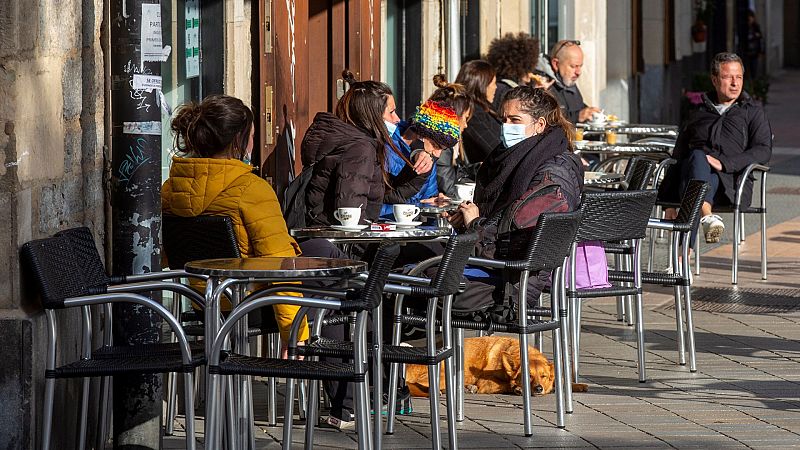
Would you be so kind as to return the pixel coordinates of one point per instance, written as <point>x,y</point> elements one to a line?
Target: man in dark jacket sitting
<point>726,133</point>
<point>563,66</point>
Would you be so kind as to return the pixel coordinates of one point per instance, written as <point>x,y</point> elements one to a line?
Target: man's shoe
<point>347,421</point>
<point>713,228</point>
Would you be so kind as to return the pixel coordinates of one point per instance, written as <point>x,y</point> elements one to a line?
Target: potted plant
<point>703,9</point>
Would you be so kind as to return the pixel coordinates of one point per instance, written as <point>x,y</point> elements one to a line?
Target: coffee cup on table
<point>465,191</point>
<point>599,117</point>
<point>405,213</point>
<point>349,217</point>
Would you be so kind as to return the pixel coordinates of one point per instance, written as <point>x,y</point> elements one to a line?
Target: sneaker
<point>712,228</point>
<point>402,404</point>
<point>347,421</point>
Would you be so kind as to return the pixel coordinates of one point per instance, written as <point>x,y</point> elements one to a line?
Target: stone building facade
<point>52,159</point>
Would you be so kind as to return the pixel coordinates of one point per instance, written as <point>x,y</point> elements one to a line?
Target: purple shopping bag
<point>591,266</point>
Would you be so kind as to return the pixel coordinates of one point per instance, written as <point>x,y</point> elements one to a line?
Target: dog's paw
<point>471,389</point>
<point>580,387</point>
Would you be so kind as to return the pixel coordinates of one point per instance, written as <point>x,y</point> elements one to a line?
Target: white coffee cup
<point>599,117</point>
<point>405,213</point>
<point>348,216</point>
<point>465,191</point>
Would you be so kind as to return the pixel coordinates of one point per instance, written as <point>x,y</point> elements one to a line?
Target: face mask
<point>390,127</point>
<point>513,134</point>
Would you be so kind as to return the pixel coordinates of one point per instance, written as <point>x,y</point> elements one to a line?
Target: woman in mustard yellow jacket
<point>214,177</point>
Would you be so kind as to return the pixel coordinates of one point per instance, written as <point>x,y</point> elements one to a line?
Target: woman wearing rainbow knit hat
<point>433,127</point>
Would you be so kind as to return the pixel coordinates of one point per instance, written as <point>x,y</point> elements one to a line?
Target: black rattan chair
<point>611,216</point>
<point>520,255</point>
<point>681,227</point>
<point>96,276</point>
<point>229,363</point>
<point>447,281</point>
<point>57,269</point>
<point>738,209</point>
<point>187,239</point>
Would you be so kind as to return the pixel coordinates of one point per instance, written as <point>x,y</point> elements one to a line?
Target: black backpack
<point>294,199</point>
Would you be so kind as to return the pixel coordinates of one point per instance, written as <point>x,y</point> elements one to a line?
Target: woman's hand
<point>441,198</point>
<point>423,162</point>
<point>469,211</point>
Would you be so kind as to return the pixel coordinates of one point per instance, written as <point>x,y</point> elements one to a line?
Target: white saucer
<point>406,224</point>
<point>346,228</point>
<point>593,175</point>
<point>597,124</point>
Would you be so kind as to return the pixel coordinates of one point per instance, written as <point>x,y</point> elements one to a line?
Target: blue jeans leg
<point>696,167</point>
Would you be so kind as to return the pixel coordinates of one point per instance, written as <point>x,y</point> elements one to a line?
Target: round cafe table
<point>631,128</point>
<point>411,234</point>
<point>236,273</point>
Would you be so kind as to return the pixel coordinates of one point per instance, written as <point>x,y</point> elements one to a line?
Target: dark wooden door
<point>305,45</point>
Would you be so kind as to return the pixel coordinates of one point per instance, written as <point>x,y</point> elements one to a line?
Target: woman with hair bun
<point>212,176</point>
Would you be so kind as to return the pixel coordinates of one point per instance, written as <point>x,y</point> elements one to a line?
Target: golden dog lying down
<point>492,366</point>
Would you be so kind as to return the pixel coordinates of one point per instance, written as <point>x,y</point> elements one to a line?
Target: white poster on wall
<point>192,49</point>
<point>151,33</point>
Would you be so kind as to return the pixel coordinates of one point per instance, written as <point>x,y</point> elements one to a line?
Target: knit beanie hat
<point>437,121</point>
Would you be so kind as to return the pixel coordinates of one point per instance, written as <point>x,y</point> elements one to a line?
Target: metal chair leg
<point>232,420</point>
<point>736,231</point>
<point>576,336</point>
<point>212,429</point>
<point>394,368</point>
<point>188,390</point>
<point>687,294</point>
<point>47,425</point>
<point>172,385</point>
<point>637,281</point>
<point>558,362</point>
<point>449,373</point>
<point>102,427</point>
<point>288,415</point>
<point>311,413</point>
<point>83,414</point>
<point>763,246</point>
<point>697,253</point>
<point>433,377</point>
<point>620,302</point>
<point>272,385</point>
<point>679,268</point>
<point>458,385</point>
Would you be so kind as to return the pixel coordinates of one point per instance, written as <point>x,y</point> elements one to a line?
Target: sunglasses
<point>564,44</point>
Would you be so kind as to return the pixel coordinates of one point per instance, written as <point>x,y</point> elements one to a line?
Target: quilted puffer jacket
<point>346,170</point>
<point>206,186</point>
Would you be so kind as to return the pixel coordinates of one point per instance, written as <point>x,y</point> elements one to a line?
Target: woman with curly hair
<point>482,134</point>
<point>514,58</point>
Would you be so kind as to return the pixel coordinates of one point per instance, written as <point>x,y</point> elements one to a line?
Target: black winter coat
<point>739,137</point>
<point>346,170</point>
<point>481,136</point>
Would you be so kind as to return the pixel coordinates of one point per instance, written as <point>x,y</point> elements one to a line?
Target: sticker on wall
<point>153,128</point>
<point>146,82</point>
<point>151,33</point>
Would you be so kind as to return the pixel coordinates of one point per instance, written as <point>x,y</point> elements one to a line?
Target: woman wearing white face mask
<point>536,169</point>
<point>535,172</point>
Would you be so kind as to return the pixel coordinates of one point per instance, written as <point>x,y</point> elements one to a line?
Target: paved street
<point>745,394</point>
